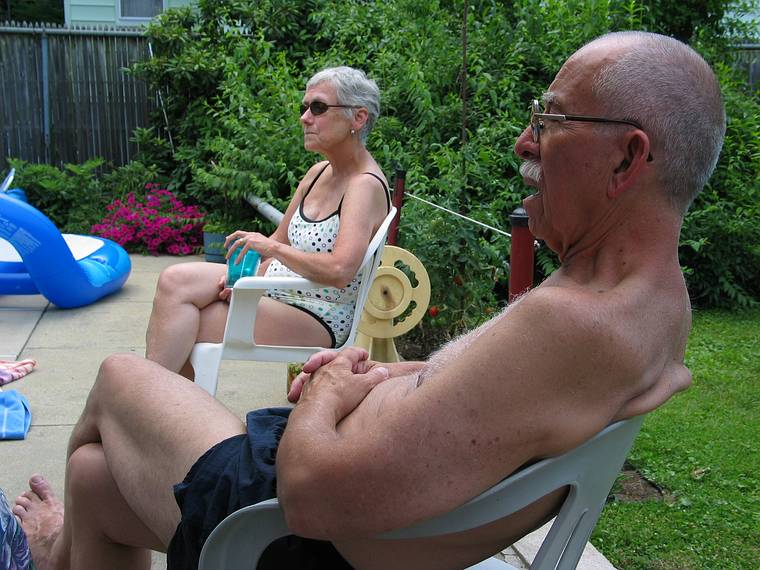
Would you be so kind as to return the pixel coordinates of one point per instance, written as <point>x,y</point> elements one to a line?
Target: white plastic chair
<point>238,343</point>
<point>589,470</point>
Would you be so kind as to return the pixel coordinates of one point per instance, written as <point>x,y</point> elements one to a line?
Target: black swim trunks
<point>235,473</point>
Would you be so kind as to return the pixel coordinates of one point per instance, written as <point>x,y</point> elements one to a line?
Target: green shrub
<point>75,196</point>
<point>721,233</point>
<point>232,104</point>
<point>71,197</point>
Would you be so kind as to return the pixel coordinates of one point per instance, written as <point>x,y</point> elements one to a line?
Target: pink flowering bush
<point>159,224</point>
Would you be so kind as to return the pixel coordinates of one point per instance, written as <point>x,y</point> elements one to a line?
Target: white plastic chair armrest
<point>275,283</point>
<point>239,341</point>
<point>206,357</point>
<point>246,293</point>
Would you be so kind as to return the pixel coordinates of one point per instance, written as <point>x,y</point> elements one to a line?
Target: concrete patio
<point>69,346</point>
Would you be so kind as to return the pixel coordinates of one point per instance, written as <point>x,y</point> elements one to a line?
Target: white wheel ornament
<point>395,304</point>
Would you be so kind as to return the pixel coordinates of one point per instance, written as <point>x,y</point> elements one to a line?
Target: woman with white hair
<point>333,214</point>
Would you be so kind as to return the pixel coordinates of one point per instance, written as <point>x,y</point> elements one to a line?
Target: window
<point>141,8</point>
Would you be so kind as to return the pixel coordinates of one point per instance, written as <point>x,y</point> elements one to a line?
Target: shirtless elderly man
<point>631,130</point>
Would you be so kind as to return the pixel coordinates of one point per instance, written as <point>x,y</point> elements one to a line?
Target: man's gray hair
<point>352,88</point>
<point>668,88</point>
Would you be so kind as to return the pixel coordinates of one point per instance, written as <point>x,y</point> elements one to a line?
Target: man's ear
<point>635,155</point>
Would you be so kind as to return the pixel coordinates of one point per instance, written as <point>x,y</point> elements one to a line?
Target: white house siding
<point>104,12</point>
<point>92,12</point>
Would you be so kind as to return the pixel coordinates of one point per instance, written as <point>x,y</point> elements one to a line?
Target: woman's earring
<point>353,132</point>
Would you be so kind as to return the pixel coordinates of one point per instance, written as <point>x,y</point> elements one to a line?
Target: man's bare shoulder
<point>581,346</point>
<point>551,312</point>
<point>554,354</point>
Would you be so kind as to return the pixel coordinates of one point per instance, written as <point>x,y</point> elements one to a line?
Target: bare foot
<point>41,516</point>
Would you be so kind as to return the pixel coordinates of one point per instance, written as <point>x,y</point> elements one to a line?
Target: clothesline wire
<point>452,212</point>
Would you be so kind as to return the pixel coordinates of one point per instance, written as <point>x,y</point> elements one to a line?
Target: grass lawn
<point>701,450</point>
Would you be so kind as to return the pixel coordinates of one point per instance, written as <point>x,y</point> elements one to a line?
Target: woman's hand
<point>224,292</point>
<point>240,242</point>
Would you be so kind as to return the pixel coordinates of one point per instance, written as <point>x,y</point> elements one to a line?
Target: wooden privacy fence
<point>64,95</point>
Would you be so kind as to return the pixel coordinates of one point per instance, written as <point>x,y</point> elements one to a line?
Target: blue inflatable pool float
<point>69,270</point>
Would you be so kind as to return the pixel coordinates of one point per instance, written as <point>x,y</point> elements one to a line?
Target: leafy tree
<point>50,11</point>
<point>683,18</point>
<point>232,100</point>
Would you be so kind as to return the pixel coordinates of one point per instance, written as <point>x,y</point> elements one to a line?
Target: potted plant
<point>215,231</point>
<point>218,226</point>
<point>294,369</point>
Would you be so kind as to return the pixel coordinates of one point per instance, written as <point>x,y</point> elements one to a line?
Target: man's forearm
<point>314,462</point>
<point>402,368</point>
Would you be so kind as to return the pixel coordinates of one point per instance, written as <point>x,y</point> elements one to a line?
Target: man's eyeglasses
<point>537,118</point>
<point>319,107</point>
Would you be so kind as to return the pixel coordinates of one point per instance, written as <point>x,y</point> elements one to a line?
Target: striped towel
<point>11,370</point>
<point>14,550</point>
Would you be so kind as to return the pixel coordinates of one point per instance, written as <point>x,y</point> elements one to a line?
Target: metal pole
<point>521,259</point>
<point>463,96</point>
<point>45,95</point>
<point>265,209</point>
<point>398,198</point>
<point>161,102</point>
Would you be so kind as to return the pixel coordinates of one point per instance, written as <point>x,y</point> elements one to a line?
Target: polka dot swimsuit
<point>332,307</point>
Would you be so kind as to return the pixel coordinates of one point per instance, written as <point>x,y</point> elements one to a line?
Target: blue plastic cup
<point>246,268</point>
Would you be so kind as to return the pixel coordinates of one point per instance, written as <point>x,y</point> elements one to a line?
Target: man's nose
<point>525,147</point>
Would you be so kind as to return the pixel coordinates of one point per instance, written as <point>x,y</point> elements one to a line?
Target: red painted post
<point>398,199</point>
<point>521,259</point>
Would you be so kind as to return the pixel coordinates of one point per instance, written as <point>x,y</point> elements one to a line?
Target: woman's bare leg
<point>142,429</point>
<point>276,323</point>
<point>183,291</point>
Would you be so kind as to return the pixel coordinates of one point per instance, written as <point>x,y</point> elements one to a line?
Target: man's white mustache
<point>531,170</point>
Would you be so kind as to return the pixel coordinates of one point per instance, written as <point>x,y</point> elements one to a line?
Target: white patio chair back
<point>589,471</point>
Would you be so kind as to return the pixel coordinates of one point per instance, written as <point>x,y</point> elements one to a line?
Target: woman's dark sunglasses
<point>319,107</point>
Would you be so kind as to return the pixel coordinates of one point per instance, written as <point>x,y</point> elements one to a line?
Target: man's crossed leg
<point>142,429</point>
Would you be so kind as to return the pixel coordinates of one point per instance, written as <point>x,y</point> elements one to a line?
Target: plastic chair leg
<point>206,358</point>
